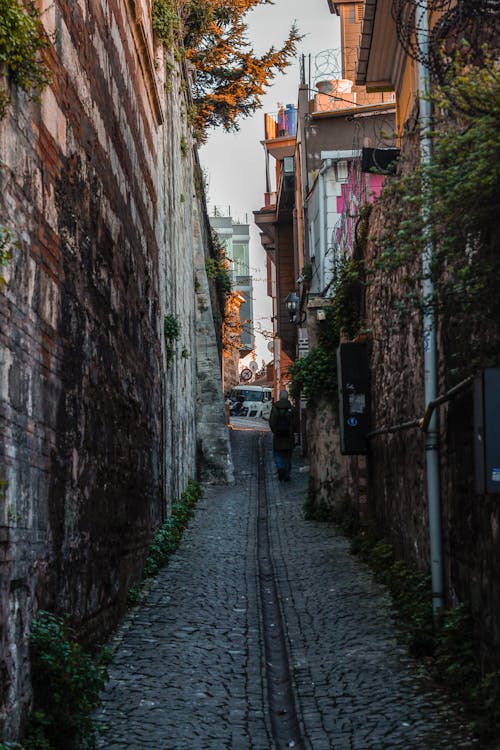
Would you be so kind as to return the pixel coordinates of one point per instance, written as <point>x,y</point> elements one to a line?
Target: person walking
<point>281,422</point>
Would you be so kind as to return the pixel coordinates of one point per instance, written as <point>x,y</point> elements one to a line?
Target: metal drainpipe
<point>430,339</point>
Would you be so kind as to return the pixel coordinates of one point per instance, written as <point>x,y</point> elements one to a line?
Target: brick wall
<point>99,183</point>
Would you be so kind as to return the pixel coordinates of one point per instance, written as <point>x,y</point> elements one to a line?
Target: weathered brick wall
<point>99,184</point>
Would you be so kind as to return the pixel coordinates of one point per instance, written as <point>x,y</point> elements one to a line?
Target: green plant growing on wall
<point>22,38</point>
<point>184,147</point>
<point>67,684</point>
<point>315,375</point>
<point>348,294</point>
<point>8,241</point>
<point>169,534</point>
<point>172,333</point>
<point>463,181</point>
<point>217,270</point>
<point>166,21</point>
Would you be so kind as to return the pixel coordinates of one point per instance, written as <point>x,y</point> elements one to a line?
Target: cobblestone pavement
<point>262,625</point>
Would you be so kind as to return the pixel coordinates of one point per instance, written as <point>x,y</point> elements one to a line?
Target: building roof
<point>332,4</point>
<point>380,54</point>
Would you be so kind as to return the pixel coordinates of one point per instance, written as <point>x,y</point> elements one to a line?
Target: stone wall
<point>100,184</point>
<point>397,477</point>
<point>396,461</point>
<point>390,488</point>
<point>328,470</point>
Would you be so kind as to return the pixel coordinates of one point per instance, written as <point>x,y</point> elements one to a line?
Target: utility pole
<point>430,337</point>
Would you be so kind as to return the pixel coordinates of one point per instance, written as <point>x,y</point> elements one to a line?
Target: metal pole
<point>430,340</point>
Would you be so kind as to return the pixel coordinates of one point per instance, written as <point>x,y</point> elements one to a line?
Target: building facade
<point>234,236</point>
<point>315,192</point>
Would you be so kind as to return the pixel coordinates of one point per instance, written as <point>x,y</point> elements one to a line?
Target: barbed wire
<point>327,65</point>
<point>470,25</point>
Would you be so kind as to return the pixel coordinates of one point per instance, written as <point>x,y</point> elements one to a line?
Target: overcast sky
<point>235,162</point>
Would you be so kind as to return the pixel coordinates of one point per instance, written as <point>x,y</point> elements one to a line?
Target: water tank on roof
<point>282,121</point>
<point>291,119</point>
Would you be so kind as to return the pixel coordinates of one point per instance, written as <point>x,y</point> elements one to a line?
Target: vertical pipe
<point>429,332</point>
<point>322,232</point>
<point>323,219</point>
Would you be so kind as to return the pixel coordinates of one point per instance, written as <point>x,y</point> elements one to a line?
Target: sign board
<point>354,398</point>
<point>486,394</point>
<point>246,375</point>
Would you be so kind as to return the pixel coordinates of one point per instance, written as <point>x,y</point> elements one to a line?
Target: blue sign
<point>352,421</point>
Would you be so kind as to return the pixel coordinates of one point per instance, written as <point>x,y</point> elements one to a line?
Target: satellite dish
<point>270,346</point>
<point>253,366</point>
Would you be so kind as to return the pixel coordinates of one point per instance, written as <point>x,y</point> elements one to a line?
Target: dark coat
<point>285,442</point>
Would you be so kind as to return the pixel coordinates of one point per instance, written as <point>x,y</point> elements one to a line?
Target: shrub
<point>22,37</point>
<point>66,684</point>
<point>169,534</point>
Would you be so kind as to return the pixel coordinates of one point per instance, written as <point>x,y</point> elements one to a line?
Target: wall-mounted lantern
<point>292,303</point>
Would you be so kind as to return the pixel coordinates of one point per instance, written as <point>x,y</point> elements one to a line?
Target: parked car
<point>253,400</point>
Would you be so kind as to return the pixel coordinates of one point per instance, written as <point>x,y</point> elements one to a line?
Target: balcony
<point>280,130</point>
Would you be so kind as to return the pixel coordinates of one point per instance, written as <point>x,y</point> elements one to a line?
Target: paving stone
<point>190,670</point>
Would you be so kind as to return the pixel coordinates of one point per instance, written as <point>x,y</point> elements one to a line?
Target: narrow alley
<point>264,632</point>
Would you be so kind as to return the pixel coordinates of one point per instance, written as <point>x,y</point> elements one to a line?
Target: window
<point>240,258</point>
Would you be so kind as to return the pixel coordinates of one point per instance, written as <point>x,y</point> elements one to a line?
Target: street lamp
<point>292,305</point>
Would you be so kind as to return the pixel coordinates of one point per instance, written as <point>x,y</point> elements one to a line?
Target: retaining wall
<point>100,184</point>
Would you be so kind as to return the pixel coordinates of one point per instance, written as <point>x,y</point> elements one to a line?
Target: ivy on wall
<point>22,38</point>
<point>462,184</point>
<point>218,270</point>
<point>315,375</point>
<point>8,240</point>
<point>172,333</point>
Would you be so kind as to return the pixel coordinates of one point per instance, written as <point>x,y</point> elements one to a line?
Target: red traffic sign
<point>246,375</point>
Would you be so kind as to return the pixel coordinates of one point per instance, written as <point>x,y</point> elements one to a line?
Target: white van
<point>257,400</point>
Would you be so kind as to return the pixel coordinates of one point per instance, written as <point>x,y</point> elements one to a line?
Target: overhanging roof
<point>333,5</point>
<point>379,50</point>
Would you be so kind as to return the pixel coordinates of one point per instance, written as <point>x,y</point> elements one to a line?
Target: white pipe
<point>429,332</point>
<point>322,218</point>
